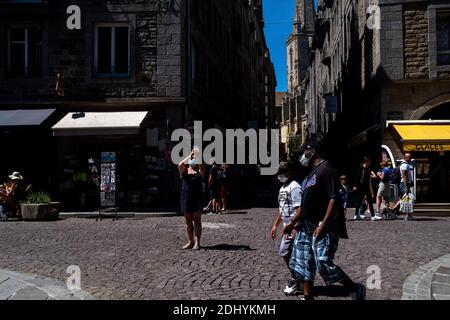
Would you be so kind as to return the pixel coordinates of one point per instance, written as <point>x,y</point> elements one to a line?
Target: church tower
<point>298,60</point>
<point>298,50</point>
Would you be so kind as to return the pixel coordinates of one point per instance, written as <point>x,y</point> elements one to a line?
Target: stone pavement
<point>20,286</point>
<point>142,259</point>
<point>430,281</point>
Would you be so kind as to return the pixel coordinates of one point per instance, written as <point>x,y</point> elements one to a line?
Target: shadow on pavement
<point>234,212</point>
<point>228,247</point>
<point>331,291</point>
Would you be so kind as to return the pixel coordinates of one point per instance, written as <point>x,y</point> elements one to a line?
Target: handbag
<point>407,203</point>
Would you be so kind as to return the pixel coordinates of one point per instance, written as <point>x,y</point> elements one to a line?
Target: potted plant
<point>39,207</point>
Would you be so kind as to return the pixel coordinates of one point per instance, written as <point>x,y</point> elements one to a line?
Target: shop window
<point>443,37</point>
<point>196,66</point>
<point>112,50</point>
<point>25,52</point>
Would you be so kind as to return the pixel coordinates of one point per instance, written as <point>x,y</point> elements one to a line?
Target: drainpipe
<point>189,62</point>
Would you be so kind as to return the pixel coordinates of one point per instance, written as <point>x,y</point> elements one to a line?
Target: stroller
<point>389,213</point>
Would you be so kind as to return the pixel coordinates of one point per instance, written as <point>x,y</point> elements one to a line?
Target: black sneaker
<point>359,293</point>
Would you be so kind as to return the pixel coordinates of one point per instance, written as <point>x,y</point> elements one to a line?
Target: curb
<point>418,285</point>
<point>127,215</point>
<point>22,286</point>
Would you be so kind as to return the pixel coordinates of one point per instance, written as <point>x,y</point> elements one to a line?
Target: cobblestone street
<point>142,259</point>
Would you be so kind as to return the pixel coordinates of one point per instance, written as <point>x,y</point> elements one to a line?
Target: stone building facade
<point>178,60</point>
<point>374,62</point>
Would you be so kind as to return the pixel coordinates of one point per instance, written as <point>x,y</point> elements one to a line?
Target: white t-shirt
<point>289,199</point>
<point>405,166</point>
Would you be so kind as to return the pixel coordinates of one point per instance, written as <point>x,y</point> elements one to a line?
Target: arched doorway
<point>431,106</point>
<point>441,112</point>
<point>433,168</point>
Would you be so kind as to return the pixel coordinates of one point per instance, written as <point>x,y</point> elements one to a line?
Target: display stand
<point>108,208</point>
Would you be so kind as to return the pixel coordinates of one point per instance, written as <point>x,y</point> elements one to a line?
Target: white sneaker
<point>376,218</point>
<point>292,288</point>
<point>356,217</point>
<point>362,216</point>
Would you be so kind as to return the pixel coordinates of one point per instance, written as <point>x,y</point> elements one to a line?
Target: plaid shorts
<point>308,255</point>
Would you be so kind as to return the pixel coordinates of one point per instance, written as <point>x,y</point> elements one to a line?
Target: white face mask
<point>282,178</point>
<point>304,161</point>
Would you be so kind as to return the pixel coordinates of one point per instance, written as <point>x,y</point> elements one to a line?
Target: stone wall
<point>391,41</point>
<point>416,41</point>
<point>169,53</point>
<point>155,53</point>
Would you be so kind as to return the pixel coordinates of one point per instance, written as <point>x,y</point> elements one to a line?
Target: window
<point>291,62</point>
<point>195,66</point>
<point>443,37</point>
<point>112,49</point>
<point>25,52</point>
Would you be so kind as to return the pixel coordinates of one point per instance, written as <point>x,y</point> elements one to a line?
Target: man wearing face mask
<point>289,200</point>
<point>323,224</point>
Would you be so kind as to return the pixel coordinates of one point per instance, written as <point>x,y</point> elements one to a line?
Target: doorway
<point>433,177</point>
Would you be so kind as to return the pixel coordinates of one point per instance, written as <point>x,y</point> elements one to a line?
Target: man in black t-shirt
<point>322,224</point>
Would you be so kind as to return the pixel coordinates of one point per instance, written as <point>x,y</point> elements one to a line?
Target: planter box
<point>40,212</point>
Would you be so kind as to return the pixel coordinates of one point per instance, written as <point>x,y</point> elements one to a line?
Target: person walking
<point>214,188</point>
<point>289,202</point>
<point>323,224</point>
<point>406,181</point>
<point>363,187</point>
<point>192,173</point>
<point>224,182</point>
<point>344,192</point>
<point>383,187</point>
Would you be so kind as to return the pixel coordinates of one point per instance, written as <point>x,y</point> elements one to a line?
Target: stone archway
<point>428,106</point>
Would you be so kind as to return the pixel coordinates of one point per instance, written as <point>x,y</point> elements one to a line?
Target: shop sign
<point>426,147</point>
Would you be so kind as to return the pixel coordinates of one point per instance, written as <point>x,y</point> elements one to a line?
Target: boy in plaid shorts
<point>323,223</point>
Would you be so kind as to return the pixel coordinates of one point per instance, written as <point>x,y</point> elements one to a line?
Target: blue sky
<point>278,17</point>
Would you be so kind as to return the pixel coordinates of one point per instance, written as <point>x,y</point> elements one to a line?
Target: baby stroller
<point>389,213</point>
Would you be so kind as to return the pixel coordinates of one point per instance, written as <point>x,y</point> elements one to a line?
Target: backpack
<point>395,176</point>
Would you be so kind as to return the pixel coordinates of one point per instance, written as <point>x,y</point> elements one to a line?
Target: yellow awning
<point>424,137</point>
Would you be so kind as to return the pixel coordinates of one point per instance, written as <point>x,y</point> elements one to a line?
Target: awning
<point>363,136</point>
<point>36,117</point>
<point>424,136</point>
<point>99,123</point>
